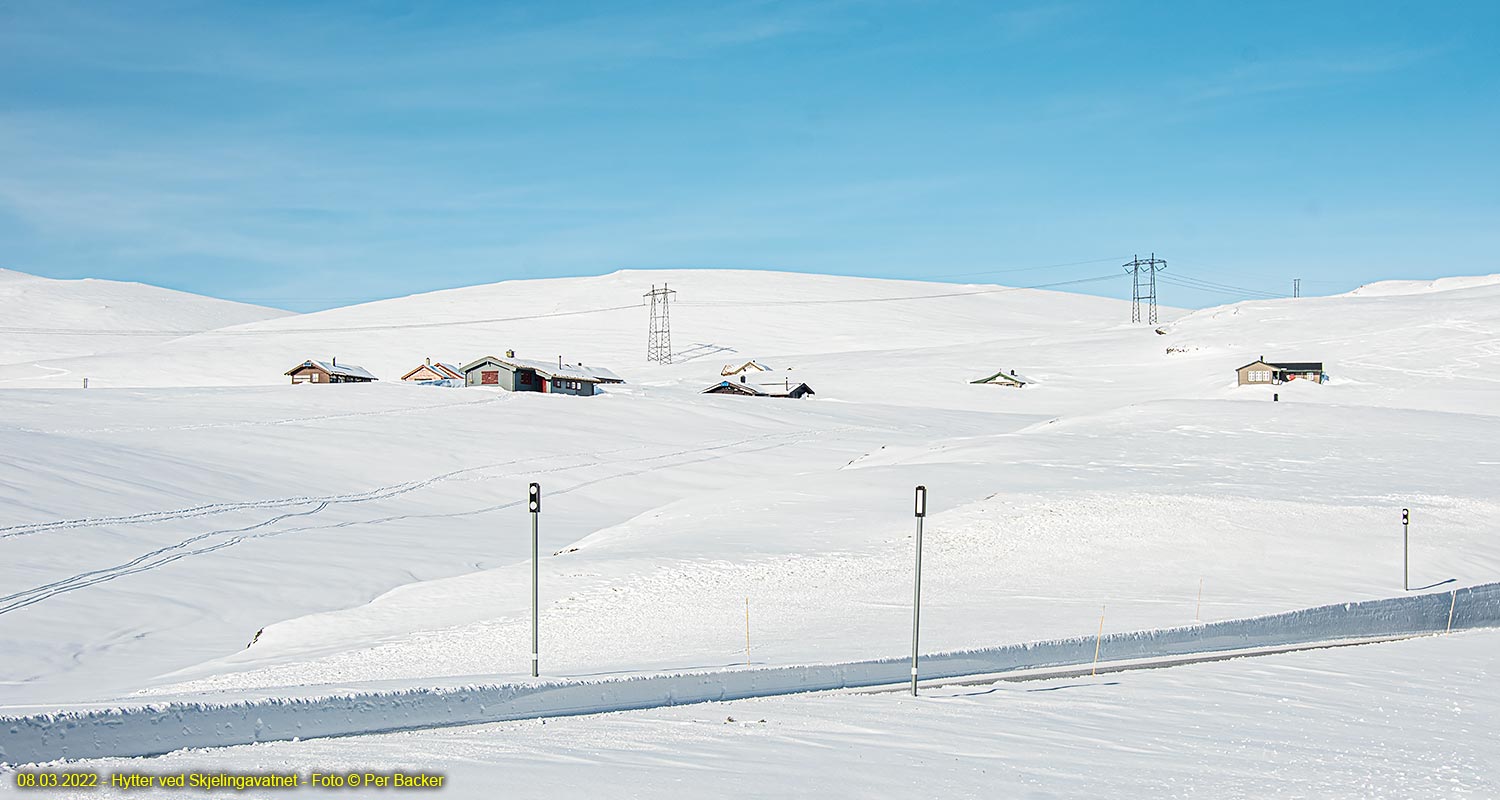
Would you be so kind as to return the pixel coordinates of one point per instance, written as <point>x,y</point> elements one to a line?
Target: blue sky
<point>312,155</point>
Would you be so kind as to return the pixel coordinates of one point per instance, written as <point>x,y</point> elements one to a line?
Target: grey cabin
<point>1261,371</point>
<point>518,375</point>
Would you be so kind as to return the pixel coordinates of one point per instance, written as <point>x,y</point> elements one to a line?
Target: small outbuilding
<point>1003,378</point>
<point>748,366</point>
<point>434,371</point>
<point>329,372</point>
<point>1261,371</point>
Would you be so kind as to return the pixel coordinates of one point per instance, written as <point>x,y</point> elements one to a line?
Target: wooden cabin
<point>329,372</point>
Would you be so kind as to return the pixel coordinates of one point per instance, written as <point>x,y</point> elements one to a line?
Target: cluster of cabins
<point>509,373</point>
<point>750,379</point>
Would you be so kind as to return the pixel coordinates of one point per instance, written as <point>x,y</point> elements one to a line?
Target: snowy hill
<point>718,316</point>
<point>1386,288</point>
<point>51,319</point>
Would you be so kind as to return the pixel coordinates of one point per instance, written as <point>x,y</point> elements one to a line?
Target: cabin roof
<point>441,368</point>
<point>760,390</point>
<point>347,370</point>
<point>572,372</point>
<point>1288,366</point>
<point>1004,376</point>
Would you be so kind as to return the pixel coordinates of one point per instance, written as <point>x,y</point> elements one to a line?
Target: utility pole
<point>1296,287</point>
<point>1150,266</point>
<point>659,340</point>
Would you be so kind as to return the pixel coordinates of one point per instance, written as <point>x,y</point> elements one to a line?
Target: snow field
<point>826,566</point>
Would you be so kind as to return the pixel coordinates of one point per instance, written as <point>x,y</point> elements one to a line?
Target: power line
<point>1029,269</point>
<point>902,298</point>
<point>1225,292</point>
<point>555,314</point>
<point>1207,284</point>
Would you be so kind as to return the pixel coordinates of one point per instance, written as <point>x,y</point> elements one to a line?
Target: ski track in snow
<point>175,552</point>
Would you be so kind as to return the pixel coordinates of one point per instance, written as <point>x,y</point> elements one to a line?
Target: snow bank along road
<point>163,727</point>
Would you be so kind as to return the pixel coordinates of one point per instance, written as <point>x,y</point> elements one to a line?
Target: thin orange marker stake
<point>747,631</point>
<point>1097,641</point>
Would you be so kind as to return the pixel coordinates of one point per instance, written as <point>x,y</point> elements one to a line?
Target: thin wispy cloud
<point>268,147</point>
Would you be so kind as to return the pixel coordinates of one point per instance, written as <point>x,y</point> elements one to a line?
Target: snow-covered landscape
<point>767,398</point>
<point>193,528</point>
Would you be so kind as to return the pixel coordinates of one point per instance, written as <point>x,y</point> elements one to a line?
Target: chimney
<point>429,361</point>
<point>1262,359</point>
<point>742,377</point>
<point>1012,372</point>
<point>510,354</point>
<point>335,361</point>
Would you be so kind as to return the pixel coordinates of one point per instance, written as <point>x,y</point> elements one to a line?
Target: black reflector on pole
<point>534,503</point>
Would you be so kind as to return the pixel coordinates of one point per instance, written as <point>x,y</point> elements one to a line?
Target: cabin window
<point>526,377</point>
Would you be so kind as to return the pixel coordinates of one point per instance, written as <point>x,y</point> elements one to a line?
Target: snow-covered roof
<point>347,370</point>
<point>438,368</point>
<point>762,390</point>
<point>1005,376</point>
<point>607,376</point>
<point>1289,366</point>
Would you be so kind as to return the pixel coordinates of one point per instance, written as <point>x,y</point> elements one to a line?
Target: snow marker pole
<point>1198,615</point>
<point>916,591</point>
<point>1451,604</point>
<point>1098,640</point>
<point>534,502</point>
<point>1406,549</point>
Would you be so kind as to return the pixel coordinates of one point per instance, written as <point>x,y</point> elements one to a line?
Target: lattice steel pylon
<point>1150,266</point>
<point>659,340</point>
